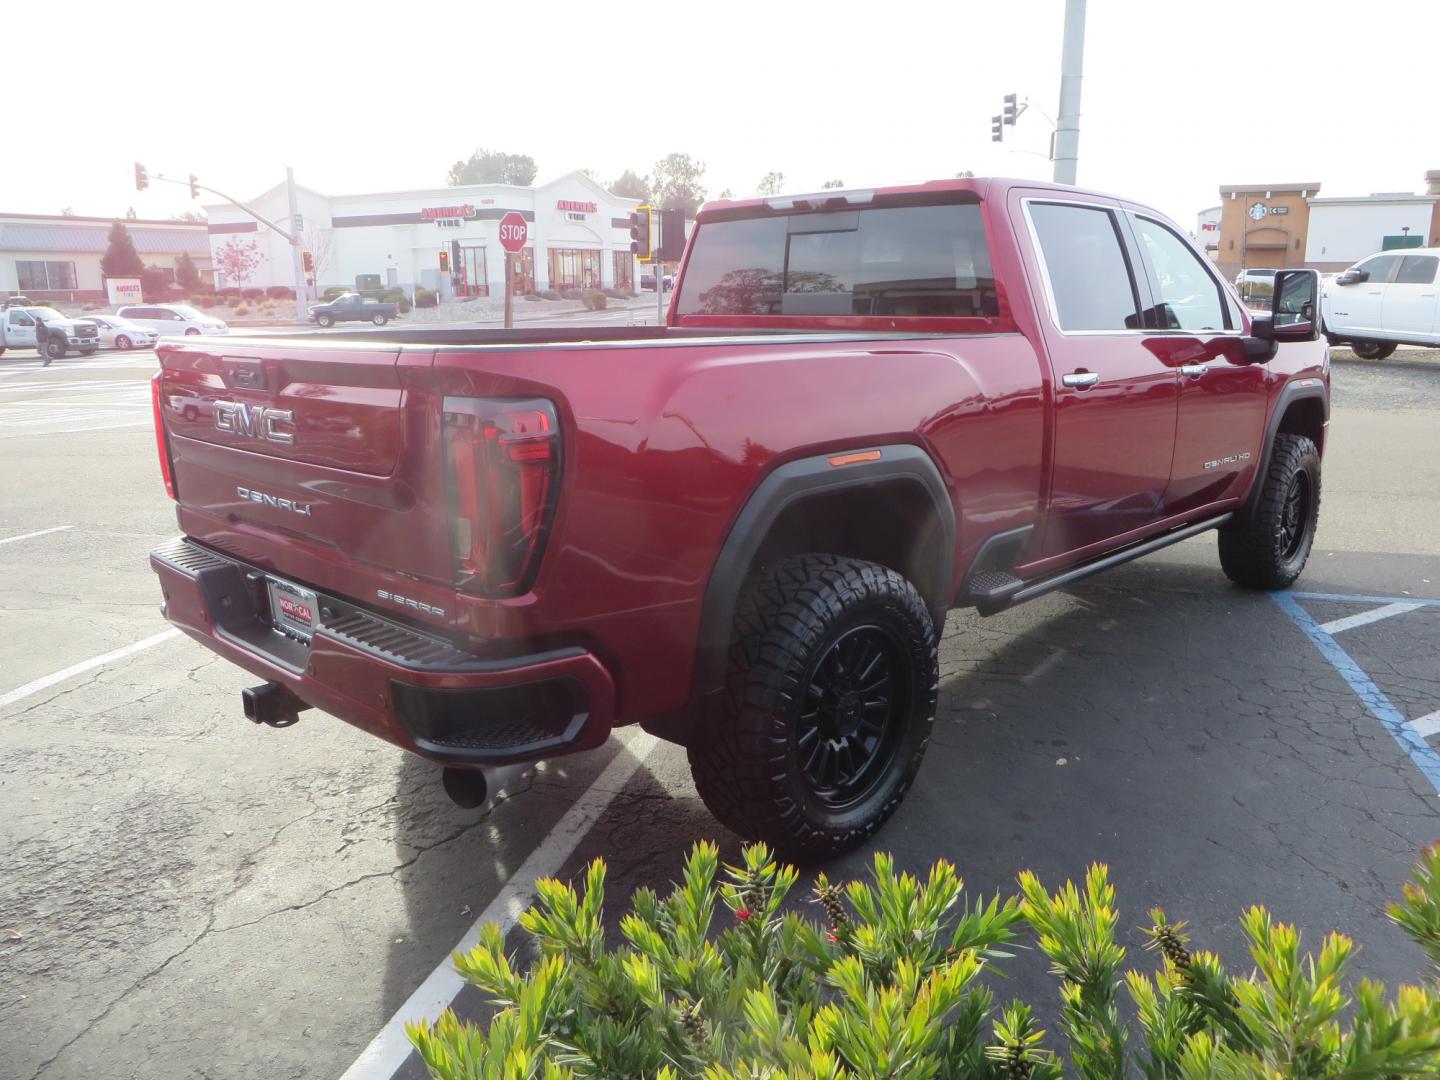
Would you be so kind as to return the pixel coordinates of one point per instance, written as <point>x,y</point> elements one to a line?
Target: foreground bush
<point>594,299</point>
<point>894,984</point>
<point>426,297</point>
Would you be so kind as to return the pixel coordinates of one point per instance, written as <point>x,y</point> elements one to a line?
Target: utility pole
<point>1072,63</point>
<point>302,294</point>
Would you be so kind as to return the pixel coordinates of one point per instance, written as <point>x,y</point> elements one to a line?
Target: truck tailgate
<point>300,447</point>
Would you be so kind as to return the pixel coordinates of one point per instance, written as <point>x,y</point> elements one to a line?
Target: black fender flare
<point>898,463</point>
<point>1299,389</point>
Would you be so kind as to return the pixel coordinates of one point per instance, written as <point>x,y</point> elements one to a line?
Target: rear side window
<point>1085,264</point>
<point>888,261</point>
<point>1417,270</point>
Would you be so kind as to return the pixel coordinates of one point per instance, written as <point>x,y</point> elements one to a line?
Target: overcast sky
<point>1179,95</point>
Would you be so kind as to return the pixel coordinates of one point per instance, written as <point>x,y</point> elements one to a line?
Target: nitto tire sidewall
<point>918,654</point>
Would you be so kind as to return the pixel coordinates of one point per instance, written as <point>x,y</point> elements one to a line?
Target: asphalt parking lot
<point>188,895</point>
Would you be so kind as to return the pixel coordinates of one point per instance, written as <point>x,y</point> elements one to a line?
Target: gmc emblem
<point>255,421</point>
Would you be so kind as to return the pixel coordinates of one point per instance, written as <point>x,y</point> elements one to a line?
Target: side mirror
<point>1352,277</point>
<point>1293,314</point>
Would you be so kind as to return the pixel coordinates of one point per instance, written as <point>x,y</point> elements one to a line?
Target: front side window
<point>1186,296</point>
<point>1379,268</point>
<point>1086,266</point>
<point>927,261</point>
<point>1417,270</point>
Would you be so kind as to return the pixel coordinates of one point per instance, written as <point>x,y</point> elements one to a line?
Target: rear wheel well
<point>1306,417</point>
<point>895,524</point>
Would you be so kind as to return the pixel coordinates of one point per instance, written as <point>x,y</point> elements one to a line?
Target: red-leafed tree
<point>239,259</point>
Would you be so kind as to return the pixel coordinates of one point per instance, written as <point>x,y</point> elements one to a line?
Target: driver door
<point>19,329</point>
<point>1357,308</point>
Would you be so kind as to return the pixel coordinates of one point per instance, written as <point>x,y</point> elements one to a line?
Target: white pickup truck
<point>1391,298</point>
<point>18,325</point>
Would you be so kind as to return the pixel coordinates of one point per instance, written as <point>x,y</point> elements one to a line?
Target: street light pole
<point>1072,63</point>
<point>302,295</point>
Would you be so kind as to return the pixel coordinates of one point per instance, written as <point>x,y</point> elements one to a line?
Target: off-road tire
<point>1255,549</point>
<point>746,762</point>
<point>1372,350</point>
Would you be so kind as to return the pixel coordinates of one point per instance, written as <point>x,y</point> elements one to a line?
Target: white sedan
<point>120,333</point>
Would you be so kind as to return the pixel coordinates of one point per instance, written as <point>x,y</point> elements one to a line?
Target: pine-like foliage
<point>120,258</point>
<point>720,980</point>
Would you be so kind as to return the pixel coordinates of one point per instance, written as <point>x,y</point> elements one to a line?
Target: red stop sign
<point>513,232</point>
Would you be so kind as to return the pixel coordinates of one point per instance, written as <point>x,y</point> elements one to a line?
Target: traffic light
<point>142,179</point>
<point>444,261</point>
<point>640,241</point>
<point>307,260</point>
<point>1011,110</point>
<point>672,235</point>
<point>997,131</point>
<point>194,187</point>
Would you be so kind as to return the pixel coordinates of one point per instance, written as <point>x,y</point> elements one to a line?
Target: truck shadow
<point>1163,722</point>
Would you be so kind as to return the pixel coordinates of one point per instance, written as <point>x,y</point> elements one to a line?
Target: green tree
<point>631,185</point>
<point>493,167</point>
<point>186,275</point>
<point>771,184</point>
<point>831,185</point>
<point>676,183</point>
<point>120,258</point>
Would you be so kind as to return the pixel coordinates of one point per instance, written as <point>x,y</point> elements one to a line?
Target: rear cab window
<point>882,262</point>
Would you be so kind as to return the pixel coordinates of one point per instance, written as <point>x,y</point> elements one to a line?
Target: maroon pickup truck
<point>741,530</point>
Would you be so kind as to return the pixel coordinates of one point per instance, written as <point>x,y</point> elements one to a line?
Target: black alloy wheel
<point>853,709</point>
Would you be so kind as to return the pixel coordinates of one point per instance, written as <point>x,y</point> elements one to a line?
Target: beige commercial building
<point>50,257</point>
<point>1291,224</point>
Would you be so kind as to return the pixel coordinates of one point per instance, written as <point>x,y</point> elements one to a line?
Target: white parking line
<point>47,681</point>
<point>30,535</point>
<point>1427,725</point>
<point>389,1049</point>
<point>1365,618</point>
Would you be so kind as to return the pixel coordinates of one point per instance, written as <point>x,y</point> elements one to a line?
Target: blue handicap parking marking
<point>1410,734</point>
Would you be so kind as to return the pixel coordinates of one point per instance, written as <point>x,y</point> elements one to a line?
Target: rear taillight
<point>162,441</point>
<point>503,472</point>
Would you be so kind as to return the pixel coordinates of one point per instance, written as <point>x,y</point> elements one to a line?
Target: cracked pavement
<point>199,897</point>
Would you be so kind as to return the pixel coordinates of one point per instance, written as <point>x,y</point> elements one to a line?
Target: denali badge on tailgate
<point>255,421</point>
<point>251,495</point>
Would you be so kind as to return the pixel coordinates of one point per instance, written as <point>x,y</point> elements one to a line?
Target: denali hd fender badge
<point>256,421</point>
<point>405,601</point>
<point>251,495</point>
<point>1229,459</point>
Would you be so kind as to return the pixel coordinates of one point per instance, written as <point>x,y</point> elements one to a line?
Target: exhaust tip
<point>467,788</point>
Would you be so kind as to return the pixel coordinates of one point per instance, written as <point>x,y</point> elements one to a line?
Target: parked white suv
<point>1385,300</point>
<point>169,320</point>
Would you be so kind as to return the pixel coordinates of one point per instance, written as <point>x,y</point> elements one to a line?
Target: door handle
<point>1080,380</point>
<point>1194,371</point>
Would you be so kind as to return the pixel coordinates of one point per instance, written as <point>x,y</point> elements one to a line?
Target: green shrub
<point>253,294</point>
<point>550,294</point>
<point>569,294</point>
<point>280,292</point>
<point>243,309</point>
<point>425,297</point>
<point>896,984</point>
<point>331,293</point>
<point>594,299</point>
<point>531,296</point>
<point>614,294</point>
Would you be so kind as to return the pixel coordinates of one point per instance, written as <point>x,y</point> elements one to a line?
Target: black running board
<point>1041,586</point>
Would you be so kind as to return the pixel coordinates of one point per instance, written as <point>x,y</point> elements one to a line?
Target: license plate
<point>293,610</point>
